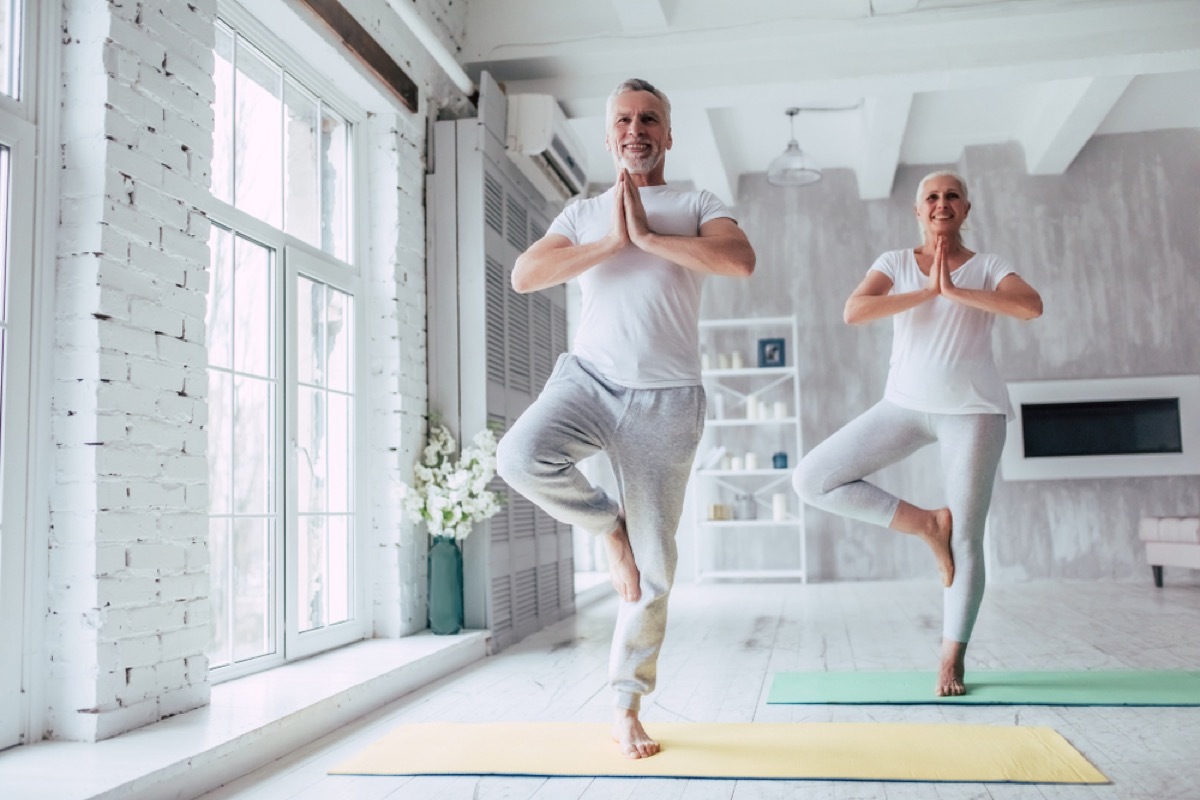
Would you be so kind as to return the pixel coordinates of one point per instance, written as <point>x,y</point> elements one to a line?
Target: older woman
<point>943,386</point>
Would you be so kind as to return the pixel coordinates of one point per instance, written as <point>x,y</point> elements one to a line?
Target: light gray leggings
<point>831,476</point>
<point>650,436</point>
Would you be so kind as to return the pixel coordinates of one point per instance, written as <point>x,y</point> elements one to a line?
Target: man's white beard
<point>642,164</point>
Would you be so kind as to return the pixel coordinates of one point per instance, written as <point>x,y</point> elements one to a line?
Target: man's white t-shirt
<point>942,361</point>
<point>640,313</point>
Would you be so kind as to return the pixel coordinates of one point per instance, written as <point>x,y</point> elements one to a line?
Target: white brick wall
<point>396,292</point>
<point>128,583</point>
<point>128,587</point>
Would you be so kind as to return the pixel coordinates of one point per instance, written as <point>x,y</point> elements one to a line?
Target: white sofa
<point>1170,542</point>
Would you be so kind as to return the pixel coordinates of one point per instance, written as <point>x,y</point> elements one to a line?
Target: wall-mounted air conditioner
<point>542,145</point>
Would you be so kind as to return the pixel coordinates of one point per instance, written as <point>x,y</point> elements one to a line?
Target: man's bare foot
<point>630,736</point>
<point>938,539</point>
<point>621,567</point>
<point>952,669</point>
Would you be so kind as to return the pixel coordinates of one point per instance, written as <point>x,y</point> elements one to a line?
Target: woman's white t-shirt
<point>942,360</point>
<point>639,315</point>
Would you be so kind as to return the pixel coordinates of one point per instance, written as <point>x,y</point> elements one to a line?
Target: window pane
<point>252,587</point>
<point>243,446</point>
<point>312,572</point>
<point>340,426</point>
<point>335,185</point>
<point>312,458</point>
<point>223,137</point>
<point>219,320</point>
<point>339,328</point>
<point>253,306</point>
<point>310,332</point>
<point>220,442</point>
<point>301,196</point>
<point>338,571</point>
<point>219,652</point>
<point>258,140</point>
<point>10,46</point>
<point>253,438</point>
<point>5,190</point>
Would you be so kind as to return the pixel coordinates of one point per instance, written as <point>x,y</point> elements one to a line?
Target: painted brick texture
<point>129,621</point>
<point>129,617</point>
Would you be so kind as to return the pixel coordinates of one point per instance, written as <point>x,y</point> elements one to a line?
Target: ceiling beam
<point>885,118</point>
<point>699,146</point>
<point>542,49</point>
<point>1067,116</point>
<point>641,15</point>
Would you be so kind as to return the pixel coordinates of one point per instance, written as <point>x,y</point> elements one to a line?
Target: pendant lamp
<point>793,167</point>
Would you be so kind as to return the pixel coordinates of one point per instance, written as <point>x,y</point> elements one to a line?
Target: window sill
<point>250,722</point>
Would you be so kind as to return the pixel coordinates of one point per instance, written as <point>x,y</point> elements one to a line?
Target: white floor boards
<point>725,641</point>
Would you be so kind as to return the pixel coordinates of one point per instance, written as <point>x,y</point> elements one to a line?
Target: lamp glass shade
<point>793,168</point>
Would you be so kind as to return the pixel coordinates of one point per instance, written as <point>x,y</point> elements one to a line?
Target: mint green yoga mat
<point>1079,688</point>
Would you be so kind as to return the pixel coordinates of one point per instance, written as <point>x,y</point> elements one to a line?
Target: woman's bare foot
<point>951,670</point>
<point>630,736</point>
<point>621,567</point>
<point>938,540</point>
<point>935,528</point>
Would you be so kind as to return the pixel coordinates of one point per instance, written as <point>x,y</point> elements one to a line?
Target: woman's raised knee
<point>808,482</point>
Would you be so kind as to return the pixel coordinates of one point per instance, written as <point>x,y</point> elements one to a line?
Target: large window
<point>17,180</point>
<point>283,342</point>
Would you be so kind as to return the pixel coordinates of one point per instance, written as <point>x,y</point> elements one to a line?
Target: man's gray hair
<point>637,85</point>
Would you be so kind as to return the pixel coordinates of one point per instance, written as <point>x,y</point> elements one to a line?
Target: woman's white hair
<point>941,173</point>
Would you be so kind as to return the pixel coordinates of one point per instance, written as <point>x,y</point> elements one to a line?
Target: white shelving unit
<point>753,414</point>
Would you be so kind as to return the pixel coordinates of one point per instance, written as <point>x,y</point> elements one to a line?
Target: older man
<point>631,384</point>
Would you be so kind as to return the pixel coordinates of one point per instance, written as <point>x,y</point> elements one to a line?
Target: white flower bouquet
<point>452,496</point>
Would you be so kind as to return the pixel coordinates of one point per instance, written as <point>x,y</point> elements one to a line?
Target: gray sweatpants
<point>650,436</point>
<point>831,476</point>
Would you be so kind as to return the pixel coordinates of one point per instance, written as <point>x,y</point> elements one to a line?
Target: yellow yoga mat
<point>813,750</point>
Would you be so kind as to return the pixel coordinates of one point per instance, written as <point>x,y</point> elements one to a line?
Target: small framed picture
<point>770,353</point>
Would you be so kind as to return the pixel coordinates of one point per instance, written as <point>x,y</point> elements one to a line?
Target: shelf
<point>733,423</point>
<point>753,574</point>
<point>746,322</point>
<point>759,391</point>
<point>742,371</point>
<point>750,523</point>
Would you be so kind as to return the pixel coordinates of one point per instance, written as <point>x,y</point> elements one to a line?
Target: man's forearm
<point>714,255</point>
<point>542,267</point>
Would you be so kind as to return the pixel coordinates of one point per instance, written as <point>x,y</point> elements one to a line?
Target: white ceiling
<point>922,78</point>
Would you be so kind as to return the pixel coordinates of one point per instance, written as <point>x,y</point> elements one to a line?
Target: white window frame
<point>299,262</point>
<point>28,127</point>
<point>17,136</point>
<point>293,258</point>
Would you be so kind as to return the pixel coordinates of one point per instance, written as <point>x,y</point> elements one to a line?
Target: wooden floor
<point>725,641</point>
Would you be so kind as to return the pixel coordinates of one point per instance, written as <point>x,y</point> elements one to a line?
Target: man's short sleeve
<point>712,208</point>
<point>565,223</point>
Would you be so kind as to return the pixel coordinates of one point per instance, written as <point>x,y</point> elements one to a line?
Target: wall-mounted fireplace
<point>1106,428</point>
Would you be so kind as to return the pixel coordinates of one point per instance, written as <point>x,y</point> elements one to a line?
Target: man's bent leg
<point>571,419</point>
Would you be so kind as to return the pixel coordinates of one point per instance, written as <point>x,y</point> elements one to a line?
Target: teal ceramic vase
<point>445,586</point>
